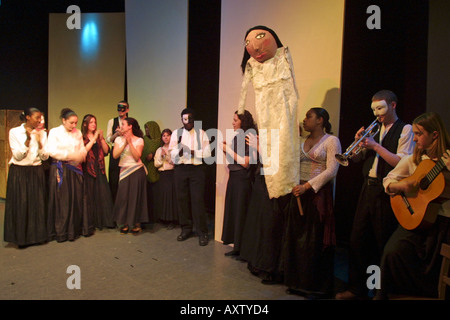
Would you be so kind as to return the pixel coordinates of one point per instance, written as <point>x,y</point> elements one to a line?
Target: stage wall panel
<point>156,33</point>
<point>86,67</point>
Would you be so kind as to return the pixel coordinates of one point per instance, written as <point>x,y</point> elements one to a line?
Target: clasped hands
<point>185,150</point>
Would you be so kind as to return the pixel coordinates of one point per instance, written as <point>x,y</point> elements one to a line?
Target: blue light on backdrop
<point>90,38</point>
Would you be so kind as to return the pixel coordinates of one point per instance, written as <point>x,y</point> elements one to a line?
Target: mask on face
<point>379,108</point>
<point>121,108</point>
<point>188,120</point>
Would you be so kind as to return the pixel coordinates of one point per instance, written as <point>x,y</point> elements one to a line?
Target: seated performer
<point>411,261</point>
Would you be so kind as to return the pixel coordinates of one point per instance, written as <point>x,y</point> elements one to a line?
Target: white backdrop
<point>156,32</point>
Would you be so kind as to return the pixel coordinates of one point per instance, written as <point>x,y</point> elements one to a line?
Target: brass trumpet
<point>354,148</point>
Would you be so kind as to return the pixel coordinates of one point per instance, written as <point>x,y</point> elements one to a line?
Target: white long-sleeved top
<point>405,168</point>
<point>163,163</point>
<point>23,155</point>
<point>109,132</point>
<point>126,157</point>
<point>61,143</point>
<point>189,139</point>
<point>319,165</point>
<point>127,163</point>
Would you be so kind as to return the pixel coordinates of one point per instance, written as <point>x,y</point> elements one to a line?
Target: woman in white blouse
<point>167,205</point>
<point>130,207</point>
<point>310,238</point>
<point>25,208</point>
<point>66,201</point>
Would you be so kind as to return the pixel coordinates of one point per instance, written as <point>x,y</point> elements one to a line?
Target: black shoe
<point>269,281</point>
<point>232,253</point>
<point>183,236</point>
<point>203,240</point>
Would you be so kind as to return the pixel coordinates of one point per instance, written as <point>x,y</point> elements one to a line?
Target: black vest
<point>115,125</point>
<point>390,142</point>
<point>114,163</point>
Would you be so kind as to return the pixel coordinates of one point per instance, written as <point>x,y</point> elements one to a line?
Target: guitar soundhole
<point>424,184</point>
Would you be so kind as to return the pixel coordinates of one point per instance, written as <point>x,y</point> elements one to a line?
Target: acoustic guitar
<point>419,211</point>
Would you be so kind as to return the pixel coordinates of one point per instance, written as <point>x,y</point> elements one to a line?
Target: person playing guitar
<point>411,261</point>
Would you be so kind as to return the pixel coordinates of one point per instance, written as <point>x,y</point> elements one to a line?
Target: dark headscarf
<point>151,144</point>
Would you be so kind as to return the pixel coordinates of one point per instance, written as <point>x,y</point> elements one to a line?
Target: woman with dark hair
<point>25,207</point>
<point>99,203</point>
<point>239,184</point>
<point>66,197</point>
<point>166,199</point>
<point>411,260</point>
<point>308,255</point>
<point>130,207</point>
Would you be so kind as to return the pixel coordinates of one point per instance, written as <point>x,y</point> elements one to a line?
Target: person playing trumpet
<point>374,220</point>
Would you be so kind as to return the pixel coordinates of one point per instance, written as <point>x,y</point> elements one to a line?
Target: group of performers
<point>288,233</point>
<point>279,213</point>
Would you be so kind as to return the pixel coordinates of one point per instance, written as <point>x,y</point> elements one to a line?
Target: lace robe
<point>276,101</point>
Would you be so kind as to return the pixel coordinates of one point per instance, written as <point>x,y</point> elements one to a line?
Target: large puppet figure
<point>267,65</point>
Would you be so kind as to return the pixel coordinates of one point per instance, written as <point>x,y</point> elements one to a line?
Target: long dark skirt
<point>26,207</point>
<point>411,261</point>
<point>130,207</point>
<point>152,194</point>
<point>264,232</point>
<point>65,206</point>
<point>236,204</point>
<point>308,253</point>
<point>166,200</point>
<point>99,203</point>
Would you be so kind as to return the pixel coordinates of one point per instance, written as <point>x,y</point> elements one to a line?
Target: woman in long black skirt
<point>166,198</point>
<point>239,184</point>
<point>263,233</point>
<point>66,194</point>
<point>26,208</point>
<point>99,203</point>
<point>308,255</point>
<point>130,207</point>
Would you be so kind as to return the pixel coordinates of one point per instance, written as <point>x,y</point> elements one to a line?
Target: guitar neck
<point>429,178</point>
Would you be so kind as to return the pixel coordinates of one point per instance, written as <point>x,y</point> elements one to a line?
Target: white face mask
<point>379,108</point>
<point>186,119</point>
